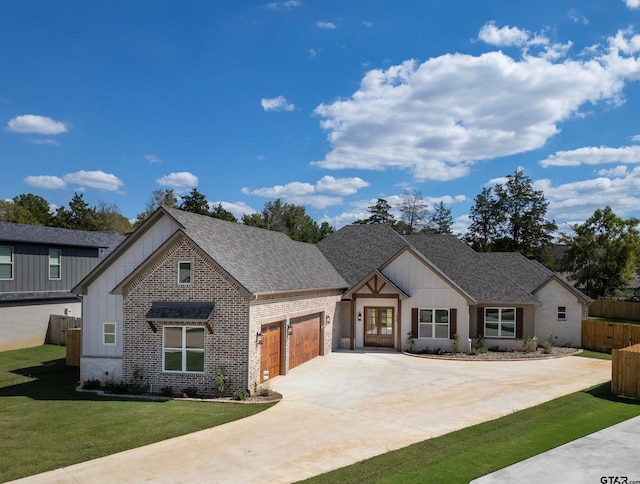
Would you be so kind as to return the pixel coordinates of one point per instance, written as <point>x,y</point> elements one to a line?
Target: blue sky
<point>326,104</point>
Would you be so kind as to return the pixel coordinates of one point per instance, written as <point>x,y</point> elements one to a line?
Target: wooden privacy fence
<point>58,327</point>
<point>603,308</point>
<point>625,372</point>
<point>74,346</point>
<point>605,336</point>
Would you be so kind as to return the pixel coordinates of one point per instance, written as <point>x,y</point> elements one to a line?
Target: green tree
<point>485,220</point>
<point>379,213</point>
<point>441,220</point>
<point>10,212</point>
<point>602,256</point>
<point>220,212</point>
<point>195,202</point>
<point>79,215</point>
<point>159,198</point>
<point>37,206</point>
<point>287,218</point>
<point>109,218</point>
<point>413,211</point>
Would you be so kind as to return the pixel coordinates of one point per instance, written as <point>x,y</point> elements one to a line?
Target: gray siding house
<point>38,267</point>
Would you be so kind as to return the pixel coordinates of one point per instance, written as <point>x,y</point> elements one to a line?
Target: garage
<point>304,339</point>
<point>270,355</point>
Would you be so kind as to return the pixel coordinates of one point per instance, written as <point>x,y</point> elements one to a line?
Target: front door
<point>378,327</point>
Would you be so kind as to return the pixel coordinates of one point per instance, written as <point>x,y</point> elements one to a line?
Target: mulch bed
<point>556,352</point>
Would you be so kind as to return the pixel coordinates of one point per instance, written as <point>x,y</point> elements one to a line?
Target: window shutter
<point>480,322</point>
<point>519,322</point>
<point>453,322</point>
<point>414,322</point>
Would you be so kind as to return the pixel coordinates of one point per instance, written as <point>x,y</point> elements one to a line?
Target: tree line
<point>602,256</point>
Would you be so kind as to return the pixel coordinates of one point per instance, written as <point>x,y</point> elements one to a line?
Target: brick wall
<point>225,347</point>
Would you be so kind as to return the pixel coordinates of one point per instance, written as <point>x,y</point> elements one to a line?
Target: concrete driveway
<point>342,408</point>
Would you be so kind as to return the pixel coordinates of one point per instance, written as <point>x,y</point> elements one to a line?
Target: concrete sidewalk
<point>603,456</point>
<point>340,409</point>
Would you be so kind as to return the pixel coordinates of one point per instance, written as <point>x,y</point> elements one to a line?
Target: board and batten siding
<point>427,289</point>
<point>99,306</point>
<point>31,267</point>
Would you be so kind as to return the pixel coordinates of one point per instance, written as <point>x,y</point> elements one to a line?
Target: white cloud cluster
<point>180,181</point>
<point>276,104</point>
<point>593,155</point>
<point>284,4</point>
<point>152,158</point>
<point>437,118</point>
<point>326,25</point>
<point>33,123</point>
<point>632,3</point>
<point>326,192</point>
<point>92,179</point>
<point>504,36</point>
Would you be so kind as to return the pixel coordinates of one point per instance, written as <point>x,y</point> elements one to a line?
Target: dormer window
<point>184,272</point>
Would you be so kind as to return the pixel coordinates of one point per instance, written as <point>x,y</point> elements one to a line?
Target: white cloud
<point>179,181</point>
<point>593,155</point>
<point>152,159</point>
<point>632,3</point>
<point>276,104</point>
<point>284,4</point>
<point>616,172</point>
<point>238,209</point>
<point>326,25</point>
<point>437,118</point>
<point>313,52</point>
<point>578,17</point>
<point>504,36</point>
<point>44,141</point>
<point>32,123</point>
<point>366,23</point>
<point>45,181</point>
<point>301,193</point>
<point>94,179</point>
<point>635,138</point>
<point>578,200</point>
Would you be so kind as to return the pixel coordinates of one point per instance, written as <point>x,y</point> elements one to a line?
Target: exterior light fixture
<point>289,330</point>
<point>258,338</point>
<point>327,319</point>
<point>359,315</point>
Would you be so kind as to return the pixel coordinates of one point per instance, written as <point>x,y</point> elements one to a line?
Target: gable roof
<point>262,261</point>
<point>39,234</point>
<point>530,274</point>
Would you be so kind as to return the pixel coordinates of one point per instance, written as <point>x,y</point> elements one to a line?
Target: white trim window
<point>109,333</point>
<point>500,322</point>
<point>433,323</point>
<point>184,272</point>
<point>182,349</point>
<point>6,262</point>
<point>562,313</point>
<point>55,264</point>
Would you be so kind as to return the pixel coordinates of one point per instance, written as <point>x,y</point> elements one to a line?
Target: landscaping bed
<point>539,353</point>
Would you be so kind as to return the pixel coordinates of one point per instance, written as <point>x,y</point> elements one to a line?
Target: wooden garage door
<point>270,352</point>
<point>304,342</point>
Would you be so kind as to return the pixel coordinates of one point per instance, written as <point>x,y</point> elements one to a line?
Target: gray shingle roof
<point>356,250</point>
<point>38,234</point>
<point>262,261</point>
<point>530,274</point>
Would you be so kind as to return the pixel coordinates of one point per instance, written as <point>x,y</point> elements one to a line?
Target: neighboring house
<point>186,294</point>
<point>38,267</point>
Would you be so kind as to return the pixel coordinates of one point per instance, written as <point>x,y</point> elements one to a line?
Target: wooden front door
<point>270,360</point>
<point>378,327</point>
<point>304,342</point>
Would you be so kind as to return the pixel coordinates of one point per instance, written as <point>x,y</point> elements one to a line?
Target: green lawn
<point>46,424</point>
<point>472,452</point>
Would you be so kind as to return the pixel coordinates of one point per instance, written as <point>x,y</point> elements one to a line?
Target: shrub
<point>116,387</point>
<point>190,392</point>
<point>240,395</point>
<point>264,390</point>
<point>547,347</point>
<point>528,345</point>
<point>411,342</point>
<point>456,343</point>
<point>220,380</point>
<point>166,391</point>
<point>92,384</point>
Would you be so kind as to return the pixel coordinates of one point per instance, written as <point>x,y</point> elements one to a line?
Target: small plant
<point>264,390</point>
<point>137,386</point>
<point>473,352</point>
<point>92,384</point>
<point>439,351</point>
<point>240,395</point>
<point>116,387</point>
<point>456,343</point>
<point>220,379</point>
<point>189,392</point>
<point>547,347</point>
<point>480,345</point>
<point>411,342</point>
<point>166,391</point>
<point>528,345</point>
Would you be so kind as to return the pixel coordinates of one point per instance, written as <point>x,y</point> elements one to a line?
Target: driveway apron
<point>340,409</point>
